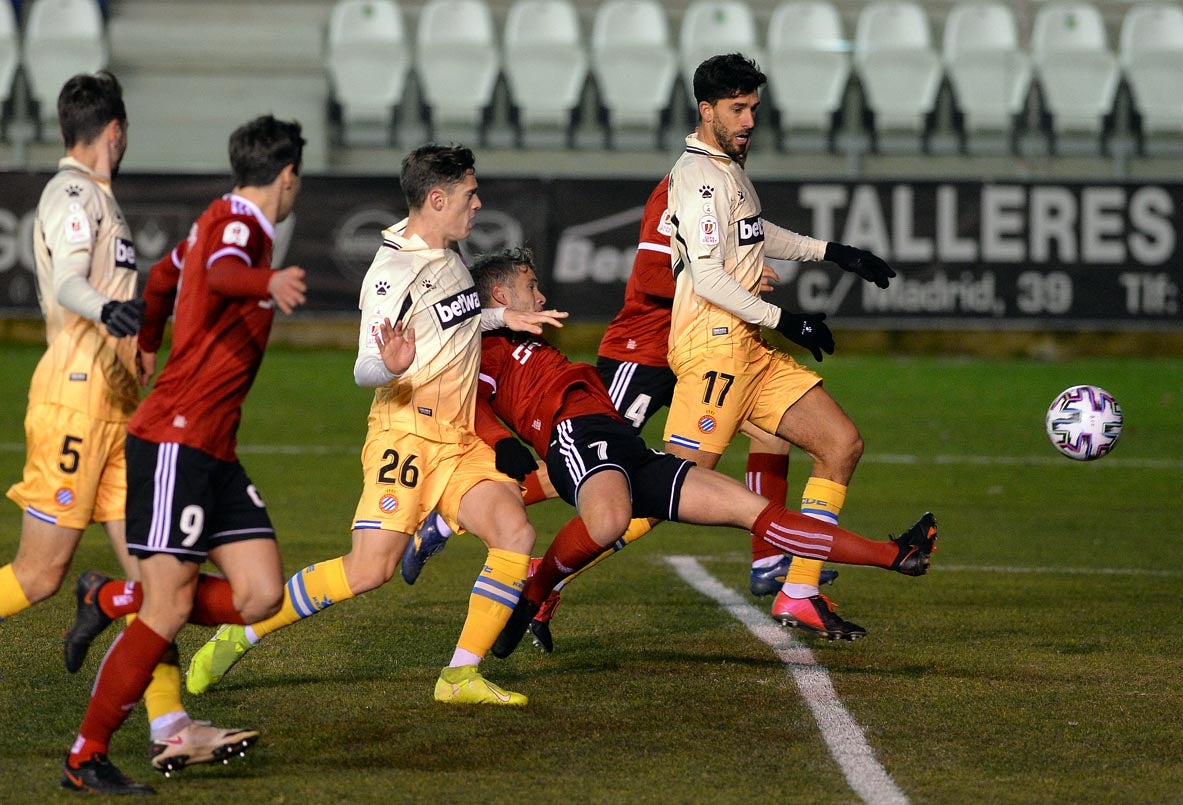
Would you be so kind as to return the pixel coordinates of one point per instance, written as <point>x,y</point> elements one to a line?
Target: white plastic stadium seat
<point>9,50</point>
<point>899,70</point>
<point>545,61</point>
<point>62,38</point>
<point>456,59</point>
<point>990,74</point>
<point>1076,69</point>
<point>368,60</point>
<point>633,61</point>
<point>808,63</point>
<point>1152,56</point>
<point>711,27</point>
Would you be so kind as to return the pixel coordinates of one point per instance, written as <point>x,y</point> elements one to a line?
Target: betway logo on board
<point>583,255</point>
<point>455,309</point>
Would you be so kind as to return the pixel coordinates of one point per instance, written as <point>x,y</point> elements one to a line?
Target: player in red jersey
<point>189,497</point>
<point>601,466</point>
<point>632,363</point>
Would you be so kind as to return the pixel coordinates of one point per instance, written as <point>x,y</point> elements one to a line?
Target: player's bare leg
<point>370,563</point>
<point>819,426</point>
<point>492,510</point>
<point>41,563</point>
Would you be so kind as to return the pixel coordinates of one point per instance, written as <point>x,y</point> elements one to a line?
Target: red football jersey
<point>640,333</point>
<point>218,341</point>
<point>532,386</point>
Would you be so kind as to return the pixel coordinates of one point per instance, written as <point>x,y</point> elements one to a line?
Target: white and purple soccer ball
<point>1084,422</point>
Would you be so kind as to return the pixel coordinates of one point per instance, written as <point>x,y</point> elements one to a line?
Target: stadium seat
<point>634,66</point>
<point>546,64</point>
<point>897,66</point>
<point>456,62</point>
<point>990,74</point>
<point>711,27</point>
<point>62,38</point>
<point>808,66</point>
<point>1077,71</point>
<point>368,60</point>
<point>1152,56</point>
<point>9,51</point>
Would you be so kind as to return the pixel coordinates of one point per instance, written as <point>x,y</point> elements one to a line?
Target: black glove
<point>861,262</point>
<point>123,318</point>
<point>810,332</point>
<point>514,458</point>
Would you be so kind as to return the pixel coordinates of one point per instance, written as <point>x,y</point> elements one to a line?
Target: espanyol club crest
<point>707,424</point>
<point>388,503</point>
<point>64,497</point>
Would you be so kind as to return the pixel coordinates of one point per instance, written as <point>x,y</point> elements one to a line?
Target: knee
<point>365,573</point>
<point>608,527</point>
<point>854,449</point>
<point>517,537</point>
<point>39,583</point>
<point>259,602</point>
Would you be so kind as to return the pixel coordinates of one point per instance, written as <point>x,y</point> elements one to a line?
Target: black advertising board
<point>970,255</point>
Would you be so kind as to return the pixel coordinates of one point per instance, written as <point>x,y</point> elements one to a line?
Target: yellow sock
<point>314,588</point>
<point>496,592</point>
<point>823,501</point>
<point>12,597</point>
<point>163,695</point>
<point>637,528</point>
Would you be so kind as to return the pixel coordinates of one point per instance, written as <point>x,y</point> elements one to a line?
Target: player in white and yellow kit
<point>727,374</point>
<point>420,349</point>
<point>85,388</point>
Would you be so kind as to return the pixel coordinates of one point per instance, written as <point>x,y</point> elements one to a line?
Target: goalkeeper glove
<point>123,318</point>
<point>810,332</point>
<point>861,262</point>
<point>514,458</point>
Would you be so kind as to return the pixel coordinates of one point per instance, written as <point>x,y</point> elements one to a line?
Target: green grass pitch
<point>1038,662</point>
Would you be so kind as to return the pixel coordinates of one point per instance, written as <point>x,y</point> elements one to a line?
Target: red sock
<point>768,476</point>
<point>123,677</point>
<point>793,532</point>
<point>118,598</point>
<point>213,604</point>
<point>533,493</point>
<point>571,550</point>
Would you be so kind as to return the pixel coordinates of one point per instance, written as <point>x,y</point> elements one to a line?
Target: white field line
<point>1110,462</point>
<point>842,734</point>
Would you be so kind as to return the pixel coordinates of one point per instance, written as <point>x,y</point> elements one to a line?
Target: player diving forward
<point>419,348</point>
<point>599,464</point>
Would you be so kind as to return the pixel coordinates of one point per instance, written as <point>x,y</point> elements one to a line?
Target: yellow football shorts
<point>75,468</point>
<point>717,392</point>
<point>407,476</point>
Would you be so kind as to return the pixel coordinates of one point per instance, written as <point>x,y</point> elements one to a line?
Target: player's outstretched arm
<point>533,322</point>
<point>866,264</point>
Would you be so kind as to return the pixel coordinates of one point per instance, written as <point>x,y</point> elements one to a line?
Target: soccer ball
<point>1084,422</point>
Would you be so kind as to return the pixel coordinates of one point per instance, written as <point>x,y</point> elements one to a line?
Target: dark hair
<point>498,268</point>
<point>431,166</point>
<point>726,76</point>
<point>87,103</point>
<point>262,148</point>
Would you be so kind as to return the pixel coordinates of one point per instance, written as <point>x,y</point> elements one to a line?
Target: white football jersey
<point>431,292</point>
